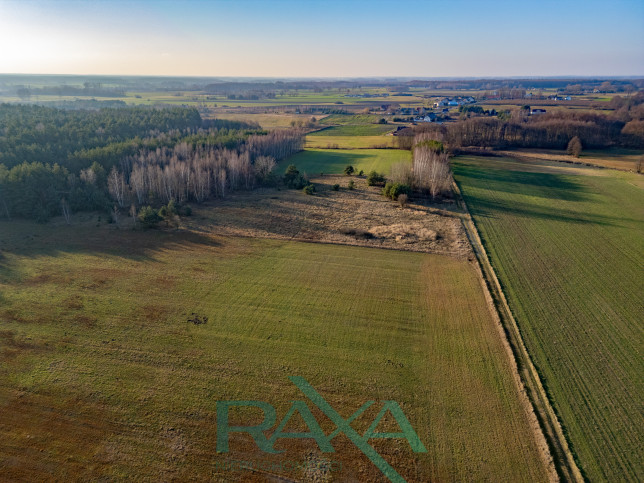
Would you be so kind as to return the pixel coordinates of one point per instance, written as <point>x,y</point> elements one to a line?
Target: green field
<point>349,119</point>
<point>349,142</point>
<point>354,130</point>
<point>567,245</point>
<point>103,376</point>
<point>333,161</point>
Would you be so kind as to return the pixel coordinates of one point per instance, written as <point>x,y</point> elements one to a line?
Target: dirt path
<point>548,432</point>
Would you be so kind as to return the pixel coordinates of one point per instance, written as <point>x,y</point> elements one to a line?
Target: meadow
<point>354,130</point>
<point>349,119</point>
<point>567,243</point>
<point>104,375</point>
<point>350,142</point>
<point>333,161</point>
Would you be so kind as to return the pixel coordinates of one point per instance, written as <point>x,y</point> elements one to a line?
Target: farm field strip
<point>550,238</point>
<point>333,161</point>
<point>349,142</point>
<point>96,345</point>
<point>354,130</point>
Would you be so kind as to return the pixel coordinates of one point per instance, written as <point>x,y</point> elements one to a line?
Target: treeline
<point>603,85</point>
<point>550,130</point>
<point>81,104</point>
<point>90,89</point>
<point>197,166</point>
<point>49,135</point>
<point>197,172</point>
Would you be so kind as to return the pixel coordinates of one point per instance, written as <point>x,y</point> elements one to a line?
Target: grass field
<point>333,161</point>
<point>350,119</point>
<point>102,376</point>
<point>567,245</point>
<point>354,130</point>
<point>616,158</point>
<point>349,142</point>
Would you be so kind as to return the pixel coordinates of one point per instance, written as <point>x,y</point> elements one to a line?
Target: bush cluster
<point>150,217</point>
<point>375,179</point>
<point>393,190</point>
<point>294,179</point>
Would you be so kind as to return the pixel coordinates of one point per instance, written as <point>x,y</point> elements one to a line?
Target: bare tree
<point>116,186</point>
<point>574,147</point>
<point>88,176</point>
<point>221,178</point>
<point>431,171</point>
<point>137,183</point>
<point>65,209</point>
<point>133,215</point>
<point>264,165</point>
<point>115,214</point>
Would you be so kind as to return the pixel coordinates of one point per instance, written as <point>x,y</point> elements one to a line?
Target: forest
<point>56,162</point>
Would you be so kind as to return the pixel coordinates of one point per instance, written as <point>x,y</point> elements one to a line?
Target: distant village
<point>427,114</point>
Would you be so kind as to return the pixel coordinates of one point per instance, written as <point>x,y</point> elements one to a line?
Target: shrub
<point>335,187</point>
<point>198,319</point>
<point>309,189</point>
<point>149,217</point>
<point>394,190</point>
<point>375,179</point>
<point>351,185</point>
<point>294,179</point>
<point>349,170</point>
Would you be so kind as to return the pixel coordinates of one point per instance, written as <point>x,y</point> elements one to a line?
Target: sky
<point>330,38</point>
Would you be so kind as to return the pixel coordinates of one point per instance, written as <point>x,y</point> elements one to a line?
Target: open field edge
<point>560,461</point>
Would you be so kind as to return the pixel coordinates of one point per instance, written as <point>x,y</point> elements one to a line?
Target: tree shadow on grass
<point>30,239</point>
<point>522,185</point>
<point>541,185</point>
<point>484,207</point>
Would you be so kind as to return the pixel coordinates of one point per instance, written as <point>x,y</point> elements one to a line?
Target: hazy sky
<point>323,38</point>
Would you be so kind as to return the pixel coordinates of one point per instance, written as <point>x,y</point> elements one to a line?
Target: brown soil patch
<point>44,278</point>
<point>36,434</point>
<point>349,217</point>
<point>153,313</point>
<point>85,320</point>
<point>74,303</point>
<point>12,345</point>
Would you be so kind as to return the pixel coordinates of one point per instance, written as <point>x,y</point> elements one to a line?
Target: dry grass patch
<point>361,216</point>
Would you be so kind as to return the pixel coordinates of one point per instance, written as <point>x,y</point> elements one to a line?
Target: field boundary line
<point>550,429</point>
